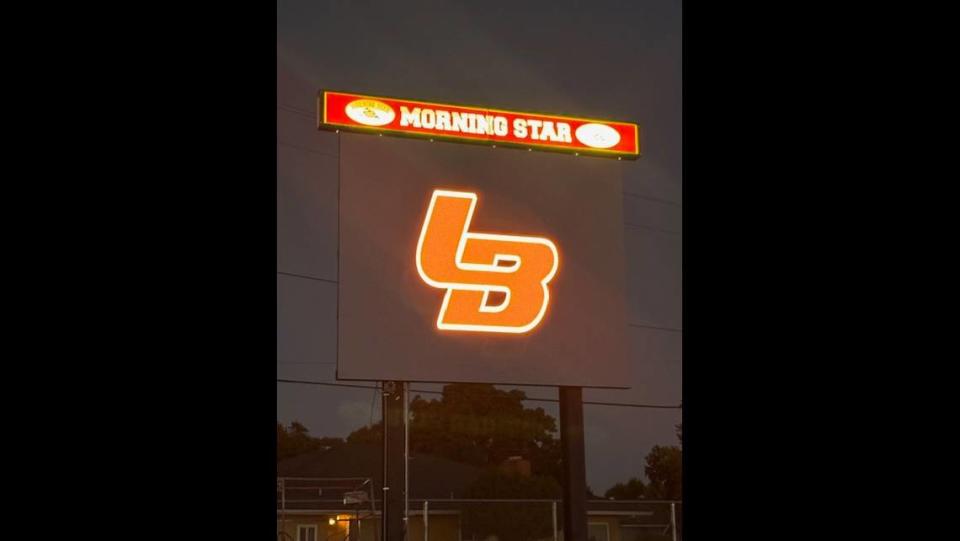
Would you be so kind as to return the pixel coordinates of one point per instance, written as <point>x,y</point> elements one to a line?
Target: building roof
<point>429,476</point>
<point>340,469</point>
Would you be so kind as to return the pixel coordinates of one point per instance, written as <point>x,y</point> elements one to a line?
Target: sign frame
<point>487,344</point>
<point>324,123</point>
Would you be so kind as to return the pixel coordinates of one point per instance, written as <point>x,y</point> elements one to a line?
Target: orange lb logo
<point>470,266</point>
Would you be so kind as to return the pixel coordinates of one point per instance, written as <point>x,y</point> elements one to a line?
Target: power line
<point>654,199</point>
<point>650,227</point>
<point>325,383</point>
<point>301,112</point>
<point>305,149</point>
<point>304,276</point>
<point>639,325</point>
<point>424,391</point>
<point>313,116</point>
<point>329,281</point>
<point>642,326</point>
<point>373,403</point>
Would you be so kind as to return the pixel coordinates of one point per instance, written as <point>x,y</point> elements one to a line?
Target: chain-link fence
<point>346,509</point>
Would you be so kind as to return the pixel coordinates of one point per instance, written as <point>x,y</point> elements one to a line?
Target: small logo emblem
<point>597,135</point>
<point>370,112</point>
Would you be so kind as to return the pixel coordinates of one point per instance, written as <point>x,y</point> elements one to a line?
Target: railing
<point>321,500</point>
<point>296,495</point>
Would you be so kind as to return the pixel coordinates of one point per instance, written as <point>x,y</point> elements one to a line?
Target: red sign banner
<point>394,116</point>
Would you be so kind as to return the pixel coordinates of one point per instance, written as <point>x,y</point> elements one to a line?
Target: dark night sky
<point>619,60</point>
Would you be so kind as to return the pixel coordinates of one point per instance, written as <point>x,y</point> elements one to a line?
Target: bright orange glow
<point>473,124</point>
<point>468,265</point>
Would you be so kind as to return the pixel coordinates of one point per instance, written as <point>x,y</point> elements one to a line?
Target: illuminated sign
<point>460,263</point>
<point>340,110</point>
<point>468,265</point>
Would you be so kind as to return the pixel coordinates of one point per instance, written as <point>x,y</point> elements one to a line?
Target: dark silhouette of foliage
<point>633,489</point>
<point>664,472</point>
<point>479,425</point>
<point>295,440</point>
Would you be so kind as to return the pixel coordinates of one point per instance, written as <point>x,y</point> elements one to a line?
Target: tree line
<point>482,426</point>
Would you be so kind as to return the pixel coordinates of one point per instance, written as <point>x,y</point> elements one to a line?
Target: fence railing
<point>333,509</point>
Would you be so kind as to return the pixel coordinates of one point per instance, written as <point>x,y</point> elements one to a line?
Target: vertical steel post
<point>426,520</point>
<point>373,496</point>
<point>673,519</point>
<point>406,456</point>
<point>283,507</point>
<point>393,450</point>
<point>554,505</point>
<point>574,465</point>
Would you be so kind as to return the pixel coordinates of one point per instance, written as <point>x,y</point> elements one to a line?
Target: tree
<point>479,425</point>
<point>664,471</point>
<point>511,521</point>
<point>296,441</point>
<point>633,489</point>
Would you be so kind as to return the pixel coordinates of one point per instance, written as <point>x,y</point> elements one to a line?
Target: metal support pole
<point>373,500</point>
<point>554,505</point>
<point>283,508</point>
<point>406,456</point>
<point>673,520</point>
<point>426,520</point>
<point>574,465</point>
<point>393,454</point>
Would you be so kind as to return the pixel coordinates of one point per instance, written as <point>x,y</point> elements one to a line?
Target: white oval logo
<point>370,112</point>
<point>598,135</point>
